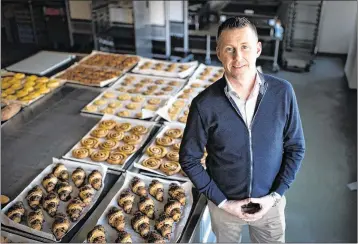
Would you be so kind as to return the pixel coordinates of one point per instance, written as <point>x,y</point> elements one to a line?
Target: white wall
<point>157,14</point>
<point>338,23</point>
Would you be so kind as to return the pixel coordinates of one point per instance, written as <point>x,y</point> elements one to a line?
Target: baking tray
<point>46,230</point>
<point>206,73</point>
<point>13,238</point>
<point>112,234</point>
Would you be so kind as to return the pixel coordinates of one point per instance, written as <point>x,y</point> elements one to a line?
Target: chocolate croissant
<point>125,200</point>
<point>16,212</point>
<point>60,226</point>
<point>34,197</point>
<point>78,177</point>
<point>164,225</point>
<point>35,219</point>
<point>146,206</point>
<point>61,172</point>
<point>75,208</point>
<point>50,203</point>
<point>64,190</point>
<point>49,182</point>
<point>123,237</point>
<point>156,189</point>
<point>154,237</point>
<point>116,218</point>
<point>86,193</point>
<point>177,192</point>
<point>140,224</point>
<point>95,179</point>
<point>97,235</point>
<point>173,209</point>
<point>138,187</point>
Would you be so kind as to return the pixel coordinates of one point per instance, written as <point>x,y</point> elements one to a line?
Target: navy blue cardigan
<point>243,161</point>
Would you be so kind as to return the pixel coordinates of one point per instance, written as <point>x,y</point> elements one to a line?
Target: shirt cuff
<point>277,195</point>
<point>222,203</point>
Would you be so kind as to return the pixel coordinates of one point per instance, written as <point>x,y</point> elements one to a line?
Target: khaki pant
<point>270,228</point>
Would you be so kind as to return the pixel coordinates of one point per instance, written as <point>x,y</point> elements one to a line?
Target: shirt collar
<point>229,88</point>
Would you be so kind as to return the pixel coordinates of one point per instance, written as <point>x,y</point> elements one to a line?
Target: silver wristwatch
<point>276,198</point>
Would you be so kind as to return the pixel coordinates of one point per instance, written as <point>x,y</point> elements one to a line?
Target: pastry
<point>196,85</point>
<point>35,219</point>
<point>115,135</point>
<point>86,194</point>
<point>161,93</point>
<point>124,97</point>
<point>81,152</point>
<point>126,149</point>
<point>154,237</point>
<point>107,124</point>
<point>107,110</point>
<point>116,158</point>
<point>159,82</point>
<point>125,200</point>
<point>74,209</point>
<point>99,132</point>
<point>186,112</point>
<point>140,224</point>
<point>53,84</point>
<point>42,80</point>
<point>177,192</point>
<point>108,145</point>
<point>152,163</point>
<point>4,199</point>
<point>173,209</point>
<point>151,107</point>
<point>146,81</point>
<point>100,155</point>
<point>50,203</point>
<point>21,93</point>
<point>134,90</point>
<point>164,224</point>
<point>114,104</point>
<point>170,168</point>
<point>154,101</point>
<point>123,237</point>
<point>9,111</point>
<point>90,142</point>
<point>43,89</point>
<point>164,141</point>
<point>184,96</point>
<point>174,133</point>
<point>95,179</point>
<point>176,146</point>
<point>156,151</point>
<point>124,113</point>
<point>138,99</point>
<point>16,212</point>
<point>132,106</point>
<point>152,88</point>
<point>4,240</point>
<point>139,130</point>
<point>138,115</point>
<point>49,182</point>
<point>173,156</point>
<point>121,89</point>
<point>100,102</point>
<point>123,127</point>
<point>116,218</point>
<point>183,119</point>
<point>97,235</point>
<point>34,197</point>
<point>19,76</point>
<point>64,190</point>
<point>132,139</point>
<point>174,83</point>
<point>146,206</point>
<point>168,88</point>
<point>109,95</point>
<point>138,187</point>
<point>78,177</point>
<point>156,189</point>
<point>148,92</point>
<point>61,172</point>
<point>60,226</point>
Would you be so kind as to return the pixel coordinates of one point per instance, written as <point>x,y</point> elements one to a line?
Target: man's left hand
<point>266,204</point>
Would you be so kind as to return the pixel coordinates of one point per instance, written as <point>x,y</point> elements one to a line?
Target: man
<point>250,125</point>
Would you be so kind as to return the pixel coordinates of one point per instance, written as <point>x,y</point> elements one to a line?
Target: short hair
<point>235,22</point>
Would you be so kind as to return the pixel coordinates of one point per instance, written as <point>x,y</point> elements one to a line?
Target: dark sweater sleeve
<point>293,146</point>
<point>192,150</point>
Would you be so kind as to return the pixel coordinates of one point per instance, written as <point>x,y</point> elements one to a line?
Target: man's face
<point>238,50</point>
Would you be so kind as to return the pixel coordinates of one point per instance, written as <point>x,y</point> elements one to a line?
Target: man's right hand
<point>234,207</point>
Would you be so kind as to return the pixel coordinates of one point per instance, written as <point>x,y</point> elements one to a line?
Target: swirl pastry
<point>90,142</point>
<point>61,172</point>
<point>123,237</point>
<point>140,224</point>
<point>97,235</point>
<point>100,156</point>
<point>177,192</point>
<point>132,139</point>
<point>139,130</point>
<point>50,203</point>
<point>164,141</point>
<point>132,106</point>
<point>123,127</point>
<point>152,163</point>
<point>95,179</point>
<point>176,146</point>
<point>115,135</point>
<point>124,113</point>
<point>108,145</point>
<point>16,212</point>
<point>183,119</point>
<point>75,208</point>
<point>64,190</point>
<point>138,187</point>
<point>173,209</point>
<point>126,149</point>
<point>170,168</point>
<point>86,193</point>
<point>154,237</point>
<point>164,225</point>
<point>107,124</point>
<point>34,197</point>
<point>125,200</point>
<point>60,226</point>
<point>116,158</point>
<point>173,156</point>
<point>116,218</point>
<point>49,182</point>
<point>99,132</point>
<point>35,219</point>
<point>156,151</point>
<point>81,152</point>
<point>156,189</point>
<point>124,97</point>
<point>146,206</point>
<point>78,177</point>
<point>174,133</point>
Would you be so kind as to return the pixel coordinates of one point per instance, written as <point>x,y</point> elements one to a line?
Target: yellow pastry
<point>176,146</point>
<point>91,108</point>
<point>174,133</point>
<point>115,135</point>
<point>116,158</point>
<point>9,91</point>
<point>90,142</point>
<point>32,78</point>
<point>164,141</point>
<point>151,107</point>
<point>99,132</point>
<point>121,89</point>
<point>152,163</point>
<point>107,110</point>
<point>115,104</point>
<point>124,97</point>
<point>11,97</point>
<point>100,102</point>
<point>43,90</point>
<point>108,124</point>
<point>3,95</point>
<point>167,88</point>
<point>29,84</point>
<point>109,95</point>
<point>173,156</point>
<point>108,145</point>
<point>16,86</point>
<point>132,139</point>
<point>42,80</point>
<point>124,113</point>
<point>25,99</point>
<point>138,115</point>
<point>21,93</point>
<point>178,103</point>
<point>7,79</point>
<point>170,168</point>
<point>81,152</point>
<point>53,84</point>
<point>39,85</point>
<point>5,85</point>
<point>132,106</point>
<point>100,156</point>
<point>174,83</point>
<point>196,85</point>
<point>15,81</point>
<point>137,99</point>
<point>183,119</point>
<point>156,151</point>
<point>19,76</point>
<point>127,149</point>
<point>139,130</point>
<point>123,127</point>
<point>34,95</point>
<point>154,101</point>
<point>28,88</point>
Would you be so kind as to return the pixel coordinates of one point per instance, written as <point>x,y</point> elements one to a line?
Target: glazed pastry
<point>35,219</point>
<point>176,192</point>
<point>138,187</point>
<point>16,212</point>
<point>107,124</point>
<point>49,182</point>
<point>173,209</point>
<point>123,127</point>
<point>126,149</point>
<point>61,172</point>
<point>78,177</point>
<point>173,156</point>
<point>100,156</point>
<point>170,168</point>
<point>95,179</point>
<point>115,135</point>
<point>139,130</point>
<point>108,145</point>
<point>174,133</point>
<point>156,189</point>
<point>140,224</point>
<point>34,197</point>
<point>117,158</point>
<point>75,208</point>
<point>64,190</point>
<point>176,146</point>
<point>123,237</point>
<point>116,218</point>
<point>132,139</point>
<point>154,237</point>
<point>50,203</point>
<point>156,151</point>
<point>99,132</point>
<point>81,152</point>
<point>86,193</point>
<point>146,206</point>
<point>125,200</point>
<point>60,226</point>
<point>90,142</point>
<point>164,225</point>
<point>97,235</point>
<point>152,163</point>
<point>164,141</point>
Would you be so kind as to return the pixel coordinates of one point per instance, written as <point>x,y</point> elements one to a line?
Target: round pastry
<point>121,89</point>
<point>91,108</point>
<point>100,156</point>
<point>174,133</point>
<point>19,76</point>
<point>152,163</point>
<point>115,104</point>
<point>107,124</point>
<point>97,235</point>
<point>28,89</point>
<point>189,90</point>
<point>139,130</point>
<point>174,83</point>
<point>126,149</point>
<point>132,139</point>
<point>156,151</point>
<point>146,81</point>
<point>138,85</point>
<point>5,85</point>
<point>154,101</point>
<point>99,132</point>
<point>124,113</point>
<point>167,88</point>
<point>164,141</point>
<point>109,95</point>
<point>178,104</point>
<point>150,107</point>
<point>124,97</point>
<point>123,237</point>
<point>90,142</point>
<point>195,85</point>
<point>170,168</point>
<point>3,95</point>
<point>159,93</point>
<point>107,110</point>
<point>32,78</point>
<point>100,102</point>
<point>115,135</point>
<point>21,93</point>
<point>184,96</point>
<point>53,84</point>
<point>176,146</point>
<point>137,99</point>
<point>108,145</point>
<point>173,156</point>
<point>116,158</point>
<point>134,90</point>
<point>132,106</point>
<point>123,127</point>
<point>16,212</point>
<point>148,92</point>
<point>173,110</point>
<point>159,82</point>
<point>186,112</point>
<point>42,80</point>
<point>81,152</point>
<point>183,119</point>
<point>138,115</point>
<point>16,86</point>
<point>152,88</point>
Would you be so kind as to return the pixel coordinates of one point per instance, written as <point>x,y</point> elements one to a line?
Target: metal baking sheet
<point>211,74</point>
<point>13,238</point>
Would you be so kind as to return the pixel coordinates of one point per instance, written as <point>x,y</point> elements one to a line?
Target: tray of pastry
<point>148,85</point>
<point>111,142</point>
<point>163,68</point>
<point>125,104</point>
<point>208,73</point>
<point>25,90</point>
<point>110,60</point>
<point>145,209</point>
<point>7,237</point>
<point>56,200</point>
